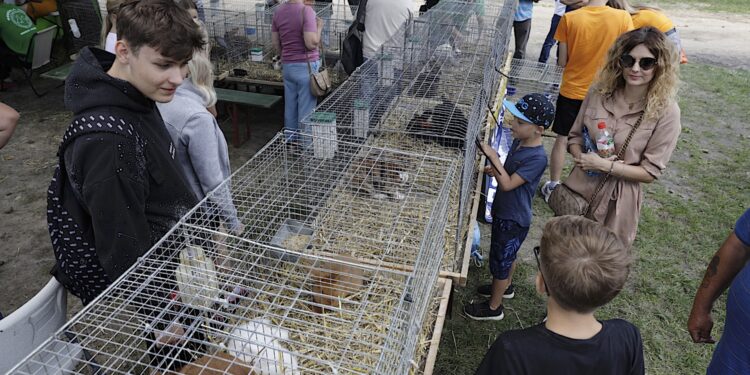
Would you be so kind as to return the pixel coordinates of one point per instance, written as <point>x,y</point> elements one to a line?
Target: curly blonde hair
<point>662,90</point>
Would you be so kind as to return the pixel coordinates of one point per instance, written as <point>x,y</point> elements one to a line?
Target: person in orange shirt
<point>585,35</point>
<point>38,8</point>
<point>650,16</point>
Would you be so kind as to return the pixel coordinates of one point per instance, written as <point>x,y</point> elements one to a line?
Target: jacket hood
<point>89,86</point>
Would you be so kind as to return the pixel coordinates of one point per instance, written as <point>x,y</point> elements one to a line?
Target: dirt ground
<point>28,161</point>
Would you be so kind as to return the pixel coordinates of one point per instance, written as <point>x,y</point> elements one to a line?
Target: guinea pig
<point>217,364</point>
<point>333,281</point>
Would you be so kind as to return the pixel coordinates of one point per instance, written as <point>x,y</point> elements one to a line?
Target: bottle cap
<point>601,125</point>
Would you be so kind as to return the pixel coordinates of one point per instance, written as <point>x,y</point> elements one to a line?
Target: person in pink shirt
<point>295,33</point>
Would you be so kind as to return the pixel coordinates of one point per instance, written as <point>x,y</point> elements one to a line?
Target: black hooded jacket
<point>117,189</point>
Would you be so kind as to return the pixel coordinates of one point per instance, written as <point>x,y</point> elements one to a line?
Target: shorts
<point>565,114</point>
<point>507,237</point>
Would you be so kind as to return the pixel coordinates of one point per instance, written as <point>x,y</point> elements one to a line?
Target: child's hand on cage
<point>488,169</point>
<point>487,149</point>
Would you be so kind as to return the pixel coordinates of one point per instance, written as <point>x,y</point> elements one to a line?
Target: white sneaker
<point>547,188</point>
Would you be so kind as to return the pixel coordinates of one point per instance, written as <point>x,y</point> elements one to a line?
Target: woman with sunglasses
<point>634,97</point>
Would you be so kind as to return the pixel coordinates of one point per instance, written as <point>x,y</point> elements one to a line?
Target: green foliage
<point>686,215</point>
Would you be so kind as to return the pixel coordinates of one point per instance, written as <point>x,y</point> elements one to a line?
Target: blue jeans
<point>549,41</point>
<point>298,99</point>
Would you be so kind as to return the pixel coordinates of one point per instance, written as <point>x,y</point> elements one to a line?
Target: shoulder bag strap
<point>620,155</point>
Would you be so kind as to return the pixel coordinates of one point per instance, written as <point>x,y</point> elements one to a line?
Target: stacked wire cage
<point>231,36</point>
<point>336,22</point>
<point>431,101</point>
<point>306,286</point>
<point>527,77</point>
<point>242,40</point>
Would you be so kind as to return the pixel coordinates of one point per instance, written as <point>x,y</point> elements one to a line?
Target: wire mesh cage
<point>369,203</point>
<point>232,37</point>
<point>527,77</point>
<point>336,23</point>
<point>260,315</point>
<point>82,21</point>
<point>435,103</point>
<point>327,276</point>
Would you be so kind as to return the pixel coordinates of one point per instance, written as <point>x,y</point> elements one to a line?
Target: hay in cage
<point>397,140</point>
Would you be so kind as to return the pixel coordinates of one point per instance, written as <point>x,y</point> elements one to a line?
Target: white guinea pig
<point>260,342</point>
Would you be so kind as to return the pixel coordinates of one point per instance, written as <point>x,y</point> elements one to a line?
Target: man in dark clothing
<point>117,189</point>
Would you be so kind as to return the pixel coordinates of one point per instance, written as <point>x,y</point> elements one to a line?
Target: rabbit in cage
<point>334,280</point>
<point>259,342</point>
<point>380,178</point>
<point>445,124</point>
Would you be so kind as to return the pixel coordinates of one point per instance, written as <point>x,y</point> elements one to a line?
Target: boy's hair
<point>584,264</point>
<point>161,25</point>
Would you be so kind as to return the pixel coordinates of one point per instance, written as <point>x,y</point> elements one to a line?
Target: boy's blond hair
<point>583,263</point>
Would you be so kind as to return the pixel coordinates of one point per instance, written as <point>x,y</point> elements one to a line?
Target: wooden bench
<point>250,99</point>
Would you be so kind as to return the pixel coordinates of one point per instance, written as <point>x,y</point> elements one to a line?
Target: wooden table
<point>251,99</point>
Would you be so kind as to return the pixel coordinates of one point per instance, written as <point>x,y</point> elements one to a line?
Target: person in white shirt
<point>383,19</point>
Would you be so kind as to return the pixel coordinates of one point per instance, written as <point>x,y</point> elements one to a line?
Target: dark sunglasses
<point>646,63</point>
<point>539,266</point>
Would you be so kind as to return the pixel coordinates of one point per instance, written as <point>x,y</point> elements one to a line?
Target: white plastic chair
<point>33,323</point>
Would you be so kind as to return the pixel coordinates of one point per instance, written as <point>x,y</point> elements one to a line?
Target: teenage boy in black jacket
<point>118,189</point>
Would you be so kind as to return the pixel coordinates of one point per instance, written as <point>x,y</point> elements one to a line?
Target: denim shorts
<point>507,237</point>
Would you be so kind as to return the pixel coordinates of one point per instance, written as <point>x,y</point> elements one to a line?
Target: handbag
<point>564,201</point>
<point>320,81</point>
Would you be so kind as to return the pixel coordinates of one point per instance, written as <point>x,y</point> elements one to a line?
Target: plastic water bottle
<point>605,144</point>
<point>588,146</point>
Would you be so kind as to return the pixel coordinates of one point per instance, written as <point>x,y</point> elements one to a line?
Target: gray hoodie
<point>201,148</point>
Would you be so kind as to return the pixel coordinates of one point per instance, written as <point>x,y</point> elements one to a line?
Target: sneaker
<point>510,292</point>
<point>482,311</point>
<point>486,291</point>
<point>547,188</point>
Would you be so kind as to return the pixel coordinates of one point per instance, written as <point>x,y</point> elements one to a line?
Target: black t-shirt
<point>616,349</point>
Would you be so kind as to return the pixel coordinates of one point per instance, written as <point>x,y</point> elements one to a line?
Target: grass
<point>685,217</point>
<point>730,6</point>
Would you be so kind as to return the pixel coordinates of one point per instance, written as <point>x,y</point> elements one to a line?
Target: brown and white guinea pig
<point>379,178</point>
<point>332,281</point>
<point>216,364</point>
<point>219,363</point>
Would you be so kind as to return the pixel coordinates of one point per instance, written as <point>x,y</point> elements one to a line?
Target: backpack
<point>351,46</point>
<point>77,265</point>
